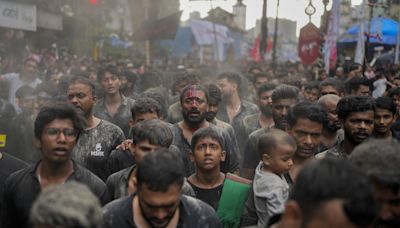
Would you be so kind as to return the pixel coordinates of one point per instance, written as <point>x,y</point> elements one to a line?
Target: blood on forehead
<point>192,92</point>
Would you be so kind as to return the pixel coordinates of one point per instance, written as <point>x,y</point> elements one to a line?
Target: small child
<point>270,188</point>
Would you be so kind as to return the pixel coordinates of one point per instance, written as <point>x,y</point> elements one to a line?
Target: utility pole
<point>275,35</point>
<point>264,31</point>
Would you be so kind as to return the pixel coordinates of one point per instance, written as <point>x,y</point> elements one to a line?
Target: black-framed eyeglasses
<point>69,134</point>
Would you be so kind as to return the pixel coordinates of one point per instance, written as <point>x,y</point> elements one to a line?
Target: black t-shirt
<point>209,196</point>
<point>94,147</point>
<point>193,213</point>
<point>22,188</point>
<point>8,165</point>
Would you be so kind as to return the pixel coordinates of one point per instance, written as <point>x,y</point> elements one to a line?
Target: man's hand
<point>125,144</point>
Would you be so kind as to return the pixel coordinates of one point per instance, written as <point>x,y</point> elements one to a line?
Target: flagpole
<point>215,36</point>
<point>396,53</point>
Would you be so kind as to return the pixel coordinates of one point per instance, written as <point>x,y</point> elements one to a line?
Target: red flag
<point>309,44</point>
<point>255,50</point>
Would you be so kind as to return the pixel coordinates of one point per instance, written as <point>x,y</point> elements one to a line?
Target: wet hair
<point>110,69</point>
<point>260,75</point>
<point>269,141</point>
<point>354,84</point>
<point>160,170</point>
<point>335,83</point>
<point>231,77</point>
<point>307,110</point>
<point>130,76</point>
<point>311,85</point>
<point>84,81</point>
<point>330,179</point>
<point>58,110</point>
<point>214,93</point>
<point>285,92</point>
<point>24,92</point>
<point>160,95</point>
<point>68,205</point>
<point>380,160</point>
<point>189,78</point>
<point>145,105</point>
<point>265,87</point>
<point>193,87</point>
<point>208,132</point>
<point>386,103</point>
<point>350,104</point>
<point>155,131</point>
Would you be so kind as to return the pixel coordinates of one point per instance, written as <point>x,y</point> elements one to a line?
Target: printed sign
<point>17,16</point>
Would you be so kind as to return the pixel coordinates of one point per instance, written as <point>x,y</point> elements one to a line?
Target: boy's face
<point>280,161</point>
<point>207,154</point>
<point>383,120</point>
<point>142,148</point>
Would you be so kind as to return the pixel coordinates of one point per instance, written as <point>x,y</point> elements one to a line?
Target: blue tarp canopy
<point>382,31</point>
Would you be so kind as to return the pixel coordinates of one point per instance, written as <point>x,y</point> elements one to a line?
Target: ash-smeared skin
<point>109,136</point>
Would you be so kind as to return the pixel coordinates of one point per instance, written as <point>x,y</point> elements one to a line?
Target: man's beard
<point>332,127</point>
<point>193,121</point>
<point>210,116</point>
<point>149,219</point>
<point>266,110</point>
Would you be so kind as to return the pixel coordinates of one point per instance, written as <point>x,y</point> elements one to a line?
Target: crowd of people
<point>119,144</point>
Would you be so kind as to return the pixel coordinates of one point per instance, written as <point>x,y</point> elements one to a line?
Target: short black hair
<point>158,94</point>
<point>386,103</point>
<point>231,77</point>
<point>214,93</point>
<point>24,92</point>
<point>265,87</point>
<point>130,76</point>
<point>285,92</point>
<point>329,179</point>
<point>307,110</point>
<point>354,84</point>
<point>350,104</point>
<point>269,141</point>
<point>311,85</point>
<point>380,160</point>
<point>58,110</point>
<point>85,81</point>
<point>160,170</point>
<point>335,83</point>
<point>260,75</point>
<point>194,87</point>
<point>155,131</point>
<point>145,105</point>
<point>108,68</point>
<point>207,132</point>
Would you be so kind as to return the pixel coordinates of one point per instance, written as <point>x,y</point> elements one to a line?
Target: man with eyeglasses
<point>57,129</point>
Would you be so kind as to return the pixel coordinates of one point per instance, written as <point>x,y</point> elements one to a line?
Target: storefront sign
<point>17,16</point>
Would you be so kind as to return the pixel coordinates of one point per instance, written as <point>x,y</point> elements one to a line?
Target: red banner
<point>309,44</point>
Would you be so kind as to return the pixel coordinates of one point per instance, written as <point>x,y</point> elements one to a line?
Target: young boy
<point>225,193</point>
<point>270,188</point>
